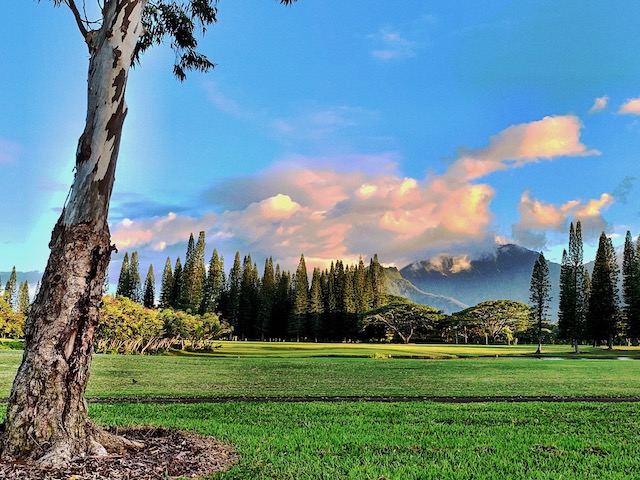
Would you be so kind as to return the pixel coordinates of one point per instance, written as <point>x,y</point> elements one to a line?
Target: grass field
<point>365,440</point>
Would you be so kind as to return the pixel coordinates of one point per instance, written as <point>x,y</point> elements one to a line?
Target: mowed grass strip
<point>160,376</point>
<point>404,441</point>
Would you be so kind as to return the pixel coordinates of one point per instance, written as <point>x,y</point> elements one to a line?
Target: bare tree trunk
<point>47,414</point>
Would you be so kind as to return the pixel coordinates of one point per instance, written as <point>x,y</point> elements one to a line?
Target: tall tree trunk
<point>47,414</point>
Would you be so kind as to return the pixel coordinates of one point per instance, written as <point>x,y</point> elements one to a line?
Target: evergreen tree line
<point>274,305</point>
<point>590,307</point>
<point>14,306</point>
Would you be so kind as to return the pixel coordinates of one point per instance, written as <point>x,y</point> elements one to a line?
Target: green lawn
<point>203,376</point>
<point>378,441</point>
<point>404,441</point>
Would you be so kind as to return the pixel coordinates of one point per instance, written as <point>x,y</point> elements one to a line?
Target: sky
<point>339,129</point>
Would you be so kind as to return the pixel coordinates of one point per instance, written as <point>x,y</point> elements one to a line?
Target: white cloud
<point>392,45</point>
<point>630,107</point>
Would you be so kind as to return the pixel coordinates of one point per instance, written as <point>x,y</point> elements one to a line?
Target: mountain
<point>396,285</point>
<point>502,274</point>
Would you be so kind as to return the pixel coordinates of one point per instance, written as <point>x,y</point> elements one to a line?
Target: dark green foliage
<point>540,290</point>
<point>214,284</point>
<point>167,285</point>
<point>300,307</point>
<point>193,275</point>
<point>248,299</point>
<point>402,318</point>
<point>134,279</point>
<point>316,305</point>
<point>496,318</point>
<point>602,319</point>
<point>573,304</point>
<point>149,298</point>
<point>11,289</point>
<point>176,287</point>
<point>124,282</point>
<point>266,299</point>
<point>23,299</point>
<point>631,286</point>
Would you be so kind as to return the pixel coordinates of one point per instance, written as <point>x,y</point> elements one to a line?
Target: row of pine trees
<point>590,307</point>
<point>276,305</point>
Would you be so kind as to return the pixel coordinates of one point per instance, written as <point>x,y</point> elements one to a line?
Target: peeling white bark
<point>47,413</point>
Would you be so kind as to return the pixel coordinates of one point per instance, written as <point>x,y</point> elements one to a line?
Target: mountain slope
<point>396,285</point>
<point>505,274</point>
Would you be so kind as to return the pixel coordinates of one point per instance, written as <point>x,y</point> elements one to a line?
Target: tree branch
<point>76,14</point>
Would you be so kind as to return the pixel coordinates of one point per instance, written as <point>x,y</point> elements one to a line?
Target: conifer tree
<point>134,279</point>
<point>234,283</point>
<point>573,301</point>
<point>214,284</point>
<point>282,304</point>
<point>11,289</point>
<point>540,290</point>
<point>176,287</point>
<point>248,305</point>
<point>149,297</point>
<point>267,298</point>
<point>378,283</point>
<point>316,307</point>
<point>362,295</point>
<point>23,299</point>
<point>184,301</point>
<point>124,282</point>
<point>631,287</point>
<point>300,307</point>
<point>603,299</point>
<point>166,285</point>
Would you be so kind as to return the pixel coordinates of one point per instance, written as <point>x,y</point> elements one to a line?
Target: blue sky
<point>337,129</point>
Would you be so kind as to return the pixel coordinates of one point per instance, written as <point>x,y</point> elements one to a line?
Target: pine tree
<point>135,280</point>
<point>603,299</point>
<point>166,286</point>
<point>540,290</point>
<point>23,299</point>
<point>248,305</point>
<point>214,284</point>
<point>267,298</point>
<point>300,310</point>
<point>234,282</point>
<point>362,295</point>
<point>176,287</point>
<point>149,298</point>
<point>193,275</point>
<point>378,282</point>
<point>184,301</point>
<point>573,301</point>
<point>282,304</point>
<point>316,307</point>
<point>11,289</point>
<point>631,287</point>
<point>124,281</point>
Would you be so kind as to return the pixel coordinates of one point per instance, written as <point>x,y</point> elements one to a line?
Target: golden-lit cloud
<point>630,107</point>
<point>518,145</point>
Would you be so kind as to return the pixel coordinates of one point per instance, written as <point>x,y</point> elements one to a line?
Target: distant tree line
<point>14,306</point>
<point>274,305</point>
<point>590,306</point>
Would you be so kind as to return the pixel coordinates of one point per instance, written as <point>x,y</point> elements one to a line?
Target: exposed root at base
<point>165,454</point>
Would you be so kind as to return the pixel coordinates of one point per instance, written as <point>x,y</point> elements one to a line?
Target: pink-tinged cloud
<point>599,104</point>
<point>537,217</point>
<point>518,145</point>
<point>630,107</point>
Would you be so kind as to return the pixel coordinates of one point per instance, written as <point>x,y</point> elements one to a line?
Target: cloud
<point>537,218</point>
<point>343,206</point>
<point>521,144</point>
<point>599,104</point>
<point>9,151</point>
<point>624,189</point>
<point>392,45</point>
<point>630,107</point>
<point>226,104</point>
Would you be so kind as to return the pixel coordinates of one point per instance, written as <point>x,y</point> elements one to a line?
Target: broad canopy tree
<point>46,418</point>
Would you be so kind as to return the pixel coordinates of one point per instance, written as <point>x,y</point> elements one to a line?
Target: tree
<point>193,275</point>
<point>46,416</point>
<point>176,286</point>
<point>297,326</point>
<point>166,285</point>
<point>23,299</point>
<point>124,279</point>
<point>539,298</point>
<point>402,317</point>
<point>573,304</point>
<point>135,283</point>
<point>149,297</point>
<point>603,299</point>
<point>497,317</point>
<point>214,284</point>
<point>11,289</point>
<point>316,307</point>
<point>266,299</point>
<point>631,287</point>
